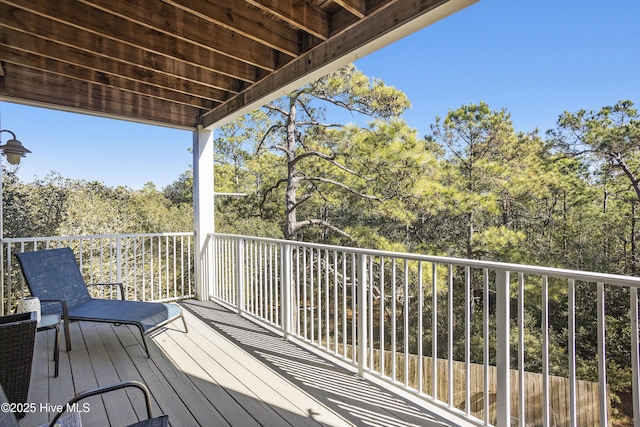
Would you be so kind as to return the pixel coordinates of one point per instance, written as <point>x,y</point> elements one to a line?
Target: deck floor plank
<point>61,389</point>
<point>126,369</point>
<point>184,388</point>
<point>355,401</point>
<point>265,395</point>
<point>158,381</point>
<point>216,396</point>
<point>40,368</point>
<point>267,385</point>
<point>227,371</point>
<point>82,371</point>
<point>119,410</point>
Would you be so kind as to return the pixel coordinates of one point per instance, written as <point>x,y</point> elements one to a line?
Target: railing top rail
<point>584,276</point>
<point>95,236</point>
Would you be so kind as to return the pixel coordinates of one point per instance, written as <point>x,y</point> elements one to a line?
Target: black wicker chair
<point>17,337</point>
<point>7,418</point>
<point>54,277</point>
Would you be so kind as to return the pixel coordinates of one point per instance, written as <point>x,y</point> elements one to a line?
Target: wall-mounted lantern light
<point>13,149</point>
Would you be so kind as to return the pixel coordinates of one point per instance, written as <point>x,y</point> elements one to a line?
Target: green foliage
<point>353,90</point>
<point>56,206</point>
<point>181,190</point>
<point>498,242</point>
<point>607,141</point>
<point>35,209</point>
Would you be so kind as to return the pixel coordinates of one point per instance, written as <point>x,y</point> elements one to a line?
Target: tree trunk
<point>634,249</point>
<point>292,174</point>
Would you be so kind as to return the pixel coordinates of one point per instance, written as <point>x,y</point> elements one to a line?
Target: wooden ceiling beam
<point>87,18</point>
<point>33,47</point>
<point>34,87</point>
<point>180,63</point>
<point>355,7</point>
<point>224,75</point>
<point>382,27</point>
<point>346,17</point>
<point>237,17</point>
<point>75,72</point>
<point>186,27</point>
<point>299,14</point>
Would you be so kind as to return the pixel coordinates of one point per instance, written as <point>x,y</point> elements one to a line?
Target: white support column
<point>203,214</point>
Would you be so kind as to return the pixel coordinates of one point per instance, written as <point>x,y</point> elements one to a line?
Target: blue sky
<point>536,59</point>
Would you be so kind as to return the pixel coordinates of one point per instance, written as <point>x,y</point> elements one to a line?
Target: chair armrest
<point>65,310</point>
<point>106,389</point>
<point>119,285</point>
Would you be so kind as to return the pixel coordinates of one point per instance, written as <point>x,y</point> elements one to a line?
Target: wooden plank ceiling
<point>180,63</point>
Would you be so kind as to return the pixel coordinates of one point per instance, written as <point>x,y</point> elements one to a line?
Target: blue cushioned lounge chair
<point>54,277</point>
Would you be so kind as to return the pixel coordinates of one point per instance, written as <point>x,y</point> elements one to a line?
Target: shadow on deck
<point>227,371</point>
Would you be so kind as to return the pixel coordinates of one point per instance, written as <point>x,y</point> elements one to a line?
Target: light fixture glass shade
<point>13,158</point>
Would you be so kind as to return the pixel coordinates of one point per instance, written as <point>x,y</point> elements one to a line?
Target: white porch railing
<point>413,321</point>
<point>151,267</point>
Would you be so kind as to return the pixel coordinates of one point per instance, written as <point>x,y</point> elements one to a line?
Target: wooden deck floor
<point>227,371</point>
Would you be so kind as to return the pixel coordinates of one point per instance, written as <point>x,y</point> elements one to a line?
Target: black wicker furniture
<point>17,337</point>
<point>54,277</point>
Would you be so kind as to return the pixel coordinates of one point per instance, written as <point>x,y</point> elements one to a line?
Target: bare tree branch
<point>318,124</point>
<point>301,224</point>
<point>270,189</point>
<point>302,200</point>
<point>341,185</point>
<point>332,160</point>
<point>272,107</point>
<point>264,138</point>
